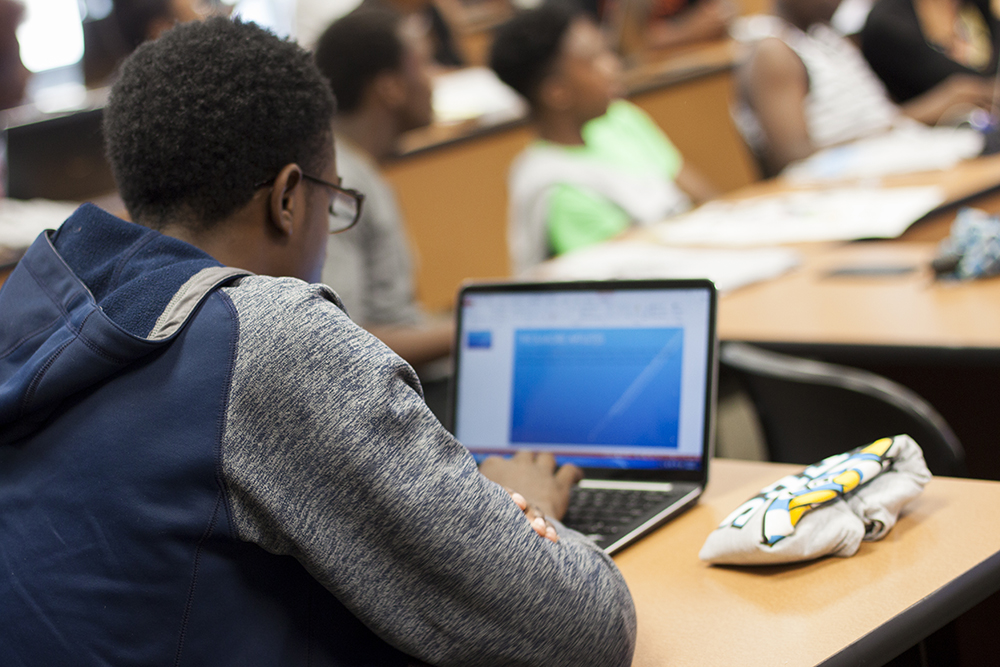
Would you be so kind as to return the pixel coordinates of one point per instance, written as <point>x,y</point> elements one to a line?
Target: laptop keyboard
<point>607,513</point>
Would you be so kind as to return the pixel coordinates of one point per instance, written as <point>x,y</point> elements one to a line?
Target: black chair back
<point>809,410</point>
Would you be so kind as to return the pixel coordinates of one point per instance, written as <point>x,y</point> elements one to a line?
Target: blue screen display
<point>597,386</point>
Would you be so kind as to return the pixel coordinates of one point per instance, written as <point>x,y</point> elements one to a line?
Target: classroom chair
<point>809,410</point>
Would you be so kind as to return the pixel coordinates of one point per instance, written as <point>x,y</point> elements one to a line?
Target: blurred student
<point>203,461</point>
<point>914,45</point>
<point>377,63</point>
<point>131,22</point>
<point>600,164</point>
<point>445,51</point>
<point>312,16</point>
<point>805,87</point>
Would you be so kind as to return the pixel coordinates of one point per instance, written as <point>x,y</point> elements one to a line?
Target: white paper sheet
<point>21,221</point>
<point>475,92</point>
<point>907,149</point>
<point>728,269</point>
<point>837,214</point>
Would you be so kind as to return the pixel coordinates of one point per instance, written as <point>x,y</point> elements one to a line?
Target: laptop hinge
<point>625,485</point>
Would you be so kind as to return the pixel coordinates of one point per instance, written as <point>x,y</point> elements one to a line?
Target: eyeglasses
<point>345,209</point>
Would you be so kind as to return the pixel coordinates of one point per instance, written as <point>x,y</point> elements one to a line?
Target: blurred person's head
<point>804,13</point>
<point>408,6</point>
<point>13,74</point>
<point>557,58</point>
<point>143,20</point>
<point>215,114</point>
<point>378,61</point>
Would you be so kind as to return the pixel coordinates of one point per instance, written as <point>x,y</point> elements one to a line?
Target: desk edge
<point>923,618</point>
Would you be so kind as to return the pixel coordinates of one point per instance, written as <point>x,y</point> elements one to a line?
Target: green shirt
<point>625,137</point>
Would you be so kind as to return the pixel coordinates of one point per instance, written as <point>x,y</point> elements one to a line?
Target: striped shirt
<point>846,101</point>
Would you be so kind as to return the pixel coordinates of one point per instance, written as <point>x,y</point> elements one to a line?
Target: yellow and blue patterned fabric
<point>788,500</point>
<point>827,509</point>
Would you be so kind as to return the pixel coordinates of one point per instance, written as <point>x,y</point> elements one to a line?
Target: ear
<point>390,89</point>
<point>285,199</point>
<point>554,94</point>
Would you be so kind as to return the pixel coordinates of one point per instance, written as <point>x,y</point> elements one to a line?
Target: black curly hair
<point>355,49</point>
<point>208,111</point>
<point>526,47</point>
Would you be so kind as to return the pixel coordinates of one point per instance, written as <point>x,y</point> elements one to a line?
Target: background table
<point>939,338</point>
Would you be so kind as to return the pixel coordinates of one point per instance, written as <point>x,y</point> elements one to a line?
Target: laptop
<point>617,377</point>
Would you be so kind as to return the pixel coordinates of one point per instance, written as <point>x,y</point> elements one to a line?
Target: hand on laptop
<point>543,489</point>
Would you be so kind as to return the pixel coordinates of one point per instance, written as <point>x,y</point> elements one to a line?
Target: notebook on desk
<point>617,377</point>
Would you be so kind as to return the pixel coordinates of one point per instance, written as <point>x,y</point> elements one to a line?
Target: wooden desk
<point>941,339</point>
<point>935,564</point>
<point>968,181</point>
<point>809,306</point>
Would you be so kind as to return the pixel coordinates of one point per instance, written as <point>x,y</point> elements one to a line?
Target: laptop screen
<point>612,375</point>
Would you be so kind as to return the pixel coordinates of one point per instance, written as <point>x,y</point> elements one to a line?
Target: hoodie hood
<point>80,306</point>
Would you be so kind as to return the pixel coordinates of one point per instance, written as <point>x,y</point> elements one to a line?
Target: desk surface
<point>935,564</point>
<point>967,179</point>
<point>809,306</point>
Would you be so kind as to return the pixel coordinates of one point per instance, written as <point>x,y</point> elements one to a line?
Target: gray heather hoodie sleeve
<point>331,456</point>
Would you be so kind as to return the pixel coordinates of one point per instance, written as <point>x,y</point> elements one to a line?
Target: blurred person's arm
<point>695,185</point>
<point>953,97</point>
<point>418,343</point>
<point>775,84</point>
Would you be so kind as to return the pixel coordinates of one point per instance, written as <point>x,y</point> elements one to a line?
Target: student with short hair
<point>109,40</point>
<point>600,164</point>
<point>377,64</point>
<point>204,461</point>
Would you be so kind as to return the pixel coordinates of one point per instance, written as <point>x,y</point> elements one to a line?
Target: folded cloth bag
<point>827,509</point>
